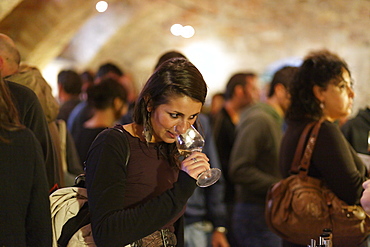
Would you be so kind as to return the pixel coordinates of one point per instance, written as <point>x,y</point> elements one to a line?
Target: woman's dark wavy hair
<point>174,77</point>
<point>318,68</point>
<point>9,118</point>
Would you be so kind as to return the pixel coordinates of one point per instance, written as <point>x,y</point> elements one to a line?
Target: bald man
<point>9,56</point>
<point>29,107</point>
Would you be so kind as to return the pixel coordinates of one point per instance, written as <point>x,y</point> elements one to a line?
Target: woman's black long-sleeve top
<point>333,160</point>
<point>124,204</point>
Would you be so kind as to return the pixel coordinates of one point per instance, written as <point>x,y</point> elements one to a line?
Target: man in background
<point>69,90</point>
<point>32,113</point>
<point>253,166</point>
<point>241,91</point>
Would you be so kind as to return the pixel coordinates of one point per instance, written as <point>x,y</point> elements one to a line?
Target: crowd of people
<point>141,191</point>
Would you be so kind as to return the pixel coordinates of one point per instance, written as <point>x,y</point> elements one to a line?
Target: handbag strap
<point>301,162</point>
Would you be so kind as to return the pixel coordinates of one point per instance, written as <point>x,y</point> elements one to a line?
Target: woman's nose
<point>181,127</point>
<point>351,92</point>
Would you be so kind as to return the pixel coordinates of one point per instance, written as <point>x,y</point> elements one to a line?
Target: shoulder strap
<point>301,162</point>
<point>80,179</point>
<point>119,127</point>
<point>306,159</point>
<point>299,150</point>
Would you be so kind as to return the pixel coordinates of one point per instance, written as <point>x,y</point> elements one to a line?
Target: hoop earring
<point>147,132</point>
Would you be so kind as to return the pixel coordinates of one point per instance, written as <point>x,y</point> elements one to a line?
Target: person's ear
<point>1,63</point>
<point>120,105</point>
<point>117,103</point>
<point>318,93</point>
<point>280,89</point>
<point>239,91</point>
<point>149,106</point>
<point>124,108</point>
<point>60,87</point>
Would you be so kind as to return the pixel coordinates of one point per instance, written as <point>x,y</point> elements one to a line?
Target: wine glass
<point>192,141</point>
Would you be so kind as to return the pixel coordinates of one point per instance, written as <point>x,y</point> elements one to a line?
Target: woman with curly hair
<point>323,90</point>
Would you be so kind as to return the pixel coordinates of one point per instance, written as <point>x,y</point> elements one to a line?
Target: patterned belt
<point>160,238</point>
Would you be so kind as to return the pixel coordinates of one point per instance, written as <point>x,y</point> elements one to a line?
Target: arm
<point>224,136</point>
<point>336,162</point>
<point>105,179</point>
<point>216,212</point>
<point>216,209</point>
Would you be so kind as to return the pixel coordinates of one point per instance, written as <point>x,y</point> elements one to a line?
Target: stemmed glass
<point>192,141</point>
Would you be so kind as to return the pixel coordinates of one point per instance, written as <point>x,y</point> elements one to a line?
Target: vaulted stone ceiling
<point>231,35</point>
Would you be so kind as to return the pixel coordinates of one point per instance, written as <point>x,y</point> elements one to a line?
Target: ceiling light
<point>187,32</point>
<point>176,29</point>
<point>101,6</point>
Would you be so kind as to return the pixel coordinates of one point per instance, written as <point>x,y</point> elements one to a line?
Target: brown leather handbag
<point>299,207</point>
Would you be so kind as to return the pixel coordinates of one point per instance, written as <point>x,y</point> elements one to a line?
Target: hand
<point>365,199</point>
<point>219,239</point>
<point>195,164</point>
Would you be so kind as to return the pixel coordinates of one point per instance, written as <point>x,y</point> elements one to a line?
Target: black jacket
<point>356,131</point>
<point>33,117</point>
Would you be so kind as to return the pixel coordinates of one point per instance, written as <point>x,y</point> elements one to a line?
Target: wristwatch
<point>221,229</point>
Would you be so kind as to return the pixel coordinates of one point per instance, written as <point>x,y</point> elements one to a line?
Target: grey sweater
<point>254,157</point>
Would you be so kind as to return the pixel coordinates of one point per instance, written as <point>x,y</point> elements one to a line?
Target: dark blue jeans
<point>250,228</point>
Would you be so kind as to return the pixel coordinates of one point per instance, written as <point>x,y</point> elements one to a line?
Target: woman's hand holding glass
<point>195,164</point>
<point>365,199</point>
<point>190,143</point>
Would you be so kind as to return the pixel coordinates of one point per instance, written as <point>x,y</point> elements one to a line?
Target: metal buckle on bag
<point>168,238</point>
<point>164,238</point>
